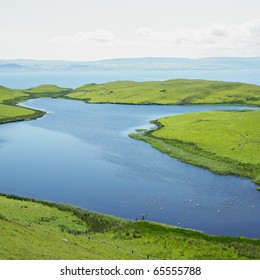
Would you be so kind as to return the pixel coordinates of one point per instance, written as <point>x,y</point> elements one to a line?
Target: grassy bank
<point>178,91</point>
<point>225,142</point>
<point>12,113</point>
<point>32,229</point>
<point>9,98</point>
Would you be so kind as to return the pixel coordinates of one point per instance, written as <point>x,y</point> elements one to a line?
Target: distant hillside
<point>11,66</point>
<point>211,63</point>
<point>177,91</point>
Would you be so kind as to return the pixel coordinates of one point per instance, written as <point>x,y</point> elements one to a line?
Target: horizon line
<point>133,58</point>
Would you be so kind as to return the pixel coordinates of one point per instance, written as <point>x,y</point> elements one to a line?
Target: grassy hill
<point>10,111</point>
<point>32,229</point>
<point>226,142</point>
<point>47,91</point>
<point>178,91</point>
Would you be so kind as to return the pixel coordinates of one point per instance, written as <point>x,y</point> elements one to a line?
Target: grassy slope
<point>47,91</point>
<point>226,142</point>
<point>178,91</point>
<point>34,230</point>
<point>9,111</point>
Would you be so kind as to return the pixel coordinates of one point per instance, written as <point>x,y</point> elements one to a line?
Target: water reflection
<point>81,154</point>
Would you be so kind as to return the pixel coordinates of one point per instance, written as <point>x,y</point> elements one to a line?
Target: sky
<point>87,30</point>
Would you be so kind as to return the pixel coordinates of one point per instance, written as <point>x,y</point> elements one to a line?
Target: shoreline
<point>70,232</point>
<point>190,153</point>
<point>39,113</point>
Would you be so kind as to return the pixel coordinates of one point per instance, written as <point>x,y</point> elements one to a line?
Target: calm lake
<point>81,154</point>
<point>77,79</point>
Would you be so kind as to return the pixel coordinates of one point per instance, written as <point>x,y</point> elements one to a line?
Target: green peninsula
<point>9,98</point>
<point>226,142</point>
<point>178,91</point>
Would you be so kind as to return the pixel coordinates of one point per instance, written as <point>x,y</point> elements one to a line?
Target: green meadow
<point>225,142</point>
<point>47,91</point>
<point>9,98</point>
<point>14,113</point>
<point>33,229</point>
<point>178,91</point>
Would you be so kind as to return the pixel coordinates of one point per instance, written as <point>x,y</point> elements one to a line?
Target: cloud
<point>213,34</point>
<point>216,39</point>
<point>218,30</point>
<point>253,27</point>
<point>144,32</point>
<point>213,40</point>
<point>96,36</point>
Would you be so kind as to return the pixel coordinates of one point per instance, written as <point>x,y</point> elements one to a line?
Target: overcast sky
<point>103,29</point>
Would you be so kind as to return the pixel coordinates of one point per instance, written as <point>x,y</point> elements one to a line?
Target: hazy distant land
<point>211,63</point>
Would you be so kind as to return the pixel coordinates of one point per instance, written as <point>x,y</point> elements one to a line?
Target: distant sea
<point>76,79</point>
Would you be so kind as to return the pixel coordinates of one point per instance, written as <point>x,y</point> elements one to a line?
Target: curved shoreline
<point>41,113</point>
<point>69,232</point>
<point>192,154</point>
<point>195,92</point>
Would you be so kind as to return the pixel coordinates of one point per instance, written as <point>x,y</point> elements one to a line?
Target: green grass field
<point>178,91</point>
<point>42,230</point>
<point>10,111</point>
<point>8,95</point>
<point>47,91</point>
<point>226,142</point>
<point>14,96</point>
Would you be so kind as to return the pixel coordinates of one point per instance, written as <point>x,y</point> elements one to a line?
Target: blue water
<point>77,79</point>
<point>81,154</point>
